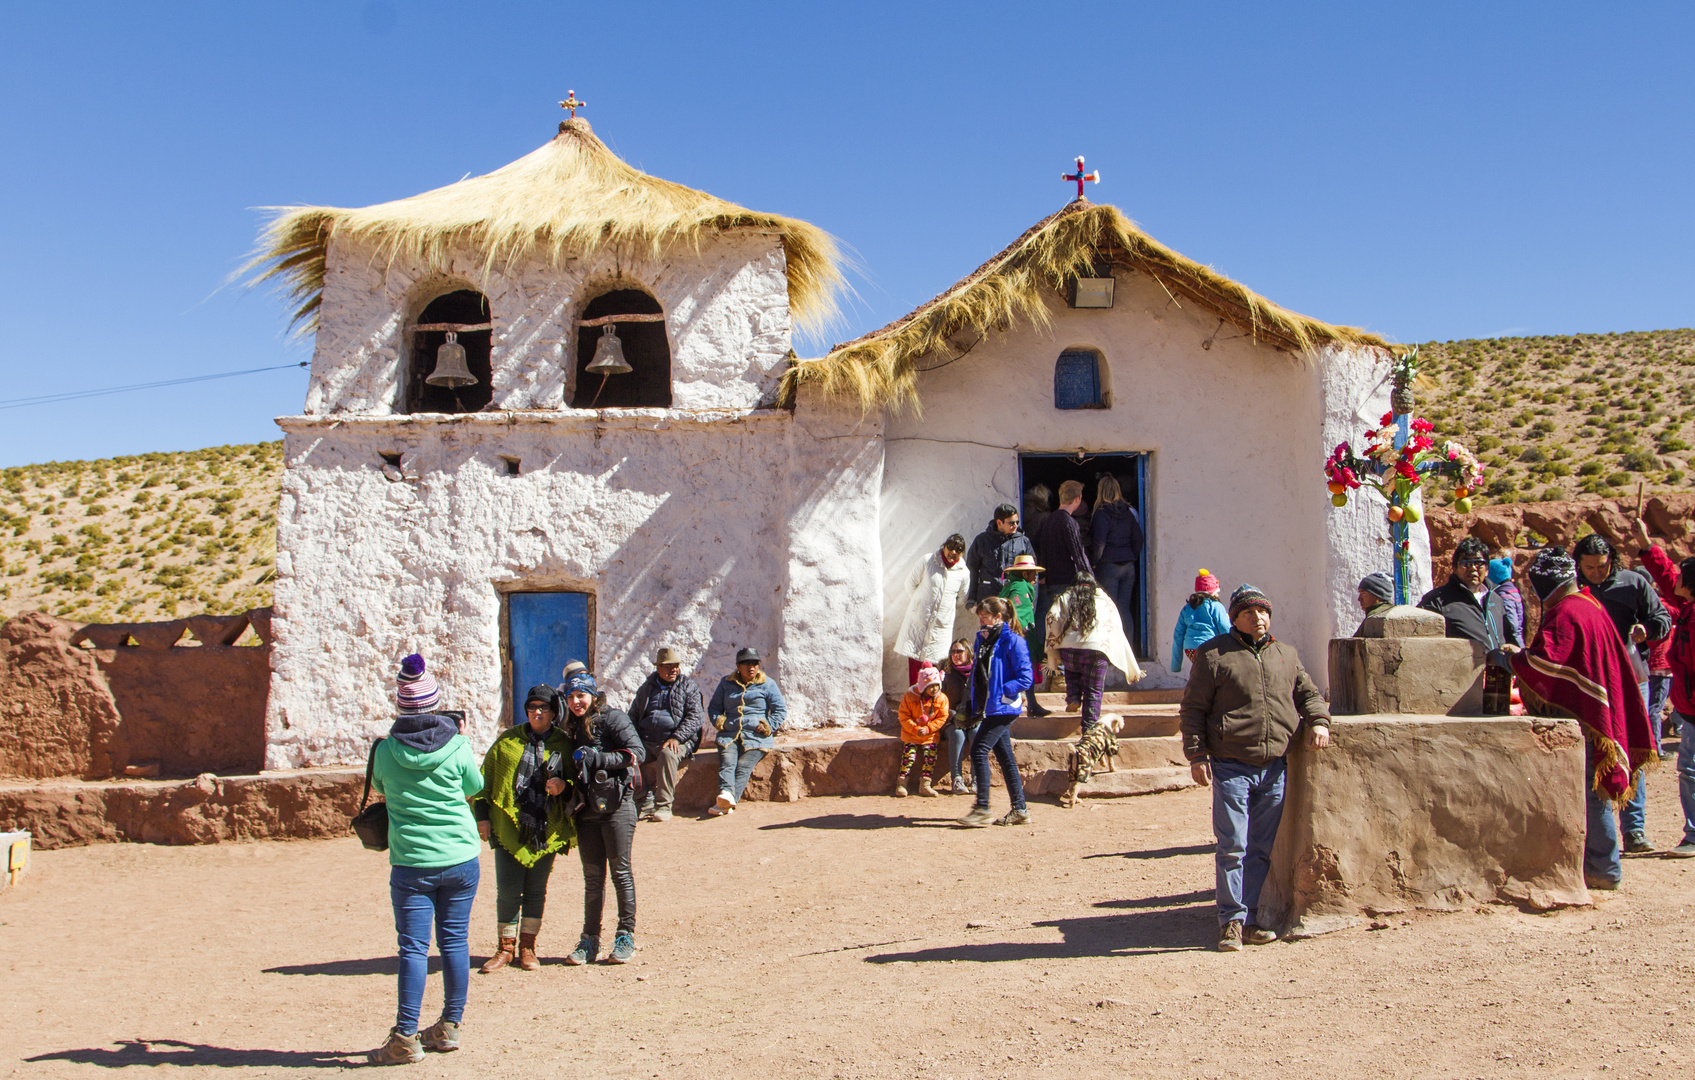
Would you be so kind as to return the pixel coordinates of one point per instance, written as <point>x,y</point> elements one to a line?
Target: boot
<point>925,788</point>
<point>527,953</point>
<point>503,955</point>
<point>900,788</point>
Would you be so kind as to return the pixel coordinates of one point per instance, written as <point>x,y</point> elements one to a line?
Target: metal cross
<point>573,104</point>
<point>1080,176</point>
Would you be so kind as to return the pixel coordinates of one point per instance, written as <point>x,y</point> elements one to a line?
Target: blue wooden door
<point>545,631</point>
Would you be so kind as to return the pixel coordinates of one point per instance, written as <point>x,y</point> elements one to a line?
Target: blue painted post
<point>1398,530</point>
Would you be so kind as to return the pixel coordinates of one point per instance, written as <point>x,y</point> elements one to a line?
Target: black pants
<point>603,841</point>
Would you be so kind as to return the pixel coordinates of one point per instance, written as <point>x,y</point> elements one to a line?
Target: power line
<point>73,395</point>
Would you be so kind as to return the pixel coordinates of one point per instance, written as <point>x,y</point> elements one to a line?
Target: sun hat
<point>667,655</point>
<point>1024,562</point>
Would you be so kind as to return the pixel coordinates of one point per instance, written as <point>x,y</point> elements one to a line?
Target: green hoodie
<point>429,821</point>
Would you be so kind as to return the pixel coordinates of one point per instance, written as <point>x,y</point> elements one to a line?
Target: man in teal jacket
<point>748,711</point>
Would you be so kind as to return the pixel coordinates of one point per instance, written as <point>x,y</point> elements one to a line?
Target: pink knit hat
<point>928,676</point>
<point>1206,581</point>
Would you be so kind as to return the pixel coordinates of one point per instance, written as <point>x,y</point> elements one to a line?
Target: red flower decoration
<point>1423,426</point>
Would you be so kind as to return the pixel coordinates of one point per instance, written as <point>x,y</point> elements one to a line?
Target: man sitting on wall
<point>668,712</point>
<point>1474,611</point>
<point>1377,596</point>
<point>993,551</point>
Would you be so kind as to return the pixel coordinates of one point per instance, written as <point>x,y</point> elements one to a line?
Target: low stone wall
<point>92,700</point>
<point>1428,812</point>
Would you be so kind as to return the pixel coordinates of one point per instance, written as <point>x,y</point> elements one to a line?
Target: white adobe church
<point>470,479</point>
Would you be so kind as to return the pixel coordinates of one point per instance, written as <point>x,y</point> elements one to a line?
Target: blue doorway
<point>544,632</point>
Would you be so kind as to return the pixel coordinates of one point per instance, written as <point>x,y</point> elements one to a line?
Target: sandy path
<point>835,937</point>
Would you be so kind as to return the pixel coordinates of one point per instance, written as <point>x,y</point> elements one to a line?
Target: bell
<point>450,365</point>
<point>609,355</point>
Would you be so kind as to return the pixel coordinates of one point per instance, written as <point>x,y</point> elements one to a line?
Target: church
<point>554,413</point>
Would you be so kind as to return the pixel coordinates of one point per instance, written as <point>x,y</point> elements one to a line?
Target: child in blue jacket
<point>1202,619</point>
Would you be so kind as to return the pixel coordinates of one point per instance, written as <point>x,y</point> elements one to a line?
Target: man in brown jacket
<point>1244,705</point>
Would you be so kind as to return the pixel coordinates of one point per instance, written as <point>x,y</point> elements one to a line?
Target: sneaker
<point>660,815</point>
<point>726,802</point>
<point>623,947</point>
<point>441,1036</point>
<point>1600,884</point>
<point>646,806</point>
<point>585,952</point>
<point>1230,936</point>
<point>1018,815</point>
<point>960,786</point>
<point>399,1050</point>
<point>1637,844</point>
<point>1255,934</point>
<point>978,818</point>
<point>1685,850</point>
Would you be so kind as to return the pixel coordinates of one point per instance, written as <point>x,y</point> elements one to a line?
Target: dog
<point>1096,751</point>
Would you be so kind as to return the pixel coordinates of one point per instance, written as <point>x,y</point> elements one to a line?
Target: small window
<point>646,347</point>
<point>1077,380</point>
<point>463,308</point>
<point>511,464</point>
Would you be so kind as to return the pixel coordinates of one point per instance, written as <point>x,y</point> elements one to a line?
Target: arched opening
<point>1080,381</point>
<point>463,308</point>
<point>647,349</point>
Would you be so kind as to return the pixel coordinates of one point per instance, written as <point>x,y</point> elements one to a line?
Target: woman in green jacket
<point>521,814</point>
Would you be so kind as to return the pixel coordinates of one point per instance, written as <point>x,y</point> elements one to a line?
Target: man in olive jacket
<point>1244,705</point>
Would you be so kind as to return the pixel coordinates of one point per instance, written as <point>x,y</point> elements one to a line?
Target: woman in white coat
<point>1083,624</point>
<point>927,631</point>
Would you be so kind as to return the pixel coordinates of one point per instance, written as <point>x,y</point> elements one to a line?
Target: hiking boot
<point>900,789</point>
<point>441,1036</point>
<point>399,1050</point>
<point>978,818</point>
<point>1600,884</point>
<point>1637,844</point>
<point>585,952</point>
<point>1018,815</point>
<point>1685,850</point>
<point>504,954</point>
<point>926,789</point>
<point>527,953</point>
<point>1254,934</point>
<point>1230,936</point>
<point>1034,708</point>
<point>623,947</point>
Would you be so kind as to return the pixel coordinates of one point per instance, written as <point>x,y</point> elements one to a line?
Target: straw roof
<point>881,368</point>
<point>571,197</point>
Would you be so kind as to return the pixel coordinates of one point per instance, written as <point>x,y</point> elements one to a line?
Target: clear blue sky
<point>1428,171</point>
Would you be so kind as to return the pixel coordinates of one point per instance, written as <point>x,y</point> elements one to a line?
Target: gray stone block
<point>1423,675</point>
<point>1404,621</point>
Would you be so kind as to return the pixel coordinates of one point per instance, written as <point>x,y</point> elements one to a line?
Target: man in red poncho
<point>1577,667</point>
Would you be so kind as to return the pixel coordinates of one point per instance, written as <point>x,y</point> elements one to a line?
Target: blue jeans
<point>1633,819</point>
<point>1659,689</point>
<point>1247,806</point>
<point>1686,774</point>
<point>1602,855</point>
<point>1118,580</point>
<point>735,765</point>
<point>957,739</point>
<point>440,895</point>
<point>994,735</point>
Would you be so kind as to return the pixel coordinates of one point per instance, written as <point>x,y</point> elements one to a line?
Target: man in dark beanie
<point>1247,700</point>
<point>1474,611</point>
<point>1377,596</point>
<point>1577,667</point>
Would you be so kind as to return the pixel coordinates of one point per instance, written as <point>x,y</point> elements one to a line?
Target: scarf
<point>1578,664</point>
<point>980,673</point>
<point>529,786</point>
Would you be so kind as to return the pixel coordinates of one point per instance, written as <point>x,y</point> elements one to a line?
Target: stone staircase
<point>1150,752</point>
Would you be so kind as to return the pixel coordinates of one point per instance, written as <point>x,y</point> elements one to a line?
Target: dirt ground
<point>844,937</point>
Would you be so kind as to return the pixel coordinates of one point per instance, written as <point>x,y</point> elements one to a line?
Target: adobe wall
<point>57,715</point>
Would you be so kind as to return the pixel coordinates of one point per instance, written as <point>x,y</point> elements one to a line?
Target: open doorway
<point>1130,470</point>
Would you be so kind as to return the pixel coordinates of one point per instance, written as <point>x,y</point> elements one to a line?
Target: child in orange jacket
<point>923,711</point>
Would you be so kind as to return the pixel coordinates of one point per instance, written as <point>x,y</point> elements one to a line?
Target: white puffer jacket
<point>927,631</point>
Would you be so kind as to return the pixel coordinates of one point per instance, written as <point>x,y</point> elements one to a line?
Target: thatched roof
<point>881,368</point>
<point>572,196</point>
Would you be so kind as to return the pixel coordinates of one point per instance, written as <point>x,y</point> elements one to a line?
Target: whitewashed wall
<point>1235,476</point>
<point>726,309</point>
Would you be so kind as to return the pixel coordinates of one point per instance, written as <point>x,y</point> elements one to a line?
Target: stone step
<point>1056,700</point>
<point>1140,721</point>
<point>1124,782</point>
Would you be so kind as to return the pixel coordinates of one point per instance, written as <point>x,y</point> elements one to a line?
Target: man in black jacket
<point>1472,610</point>
<point>668,712</point>
<point>993,551</point>
<point>1640,619</point>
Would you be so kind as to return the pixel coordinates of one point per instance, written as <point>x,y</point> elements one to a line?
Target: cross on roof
<point>573,104</point>
<point>1080,176</point>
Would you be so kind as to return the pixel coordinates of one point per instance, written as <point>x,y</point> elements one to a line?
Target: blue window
<point>544,632</point>
<point>1077,381</point>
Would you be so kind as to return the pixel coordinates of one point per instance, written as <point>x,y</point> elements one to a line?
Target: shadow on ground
<point>862,821</point>
<point>1156,853</point>
<point>381,965</point>
<point>144,1052</point>
<point>1183,929</point>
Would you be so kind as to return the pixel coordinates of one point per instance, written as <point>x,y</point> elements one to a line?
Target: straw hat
<point>1024,562</point>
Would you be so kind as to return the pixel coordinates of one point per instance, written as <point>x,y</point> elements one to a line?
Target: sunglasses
<point>1472,562</point>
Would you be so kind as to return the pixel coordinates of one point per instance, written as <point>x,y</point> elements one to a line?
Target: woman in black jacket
<point>607,754</point>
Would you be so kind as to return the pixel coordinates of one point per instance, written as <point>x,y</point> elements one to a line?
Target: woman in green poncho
<point>521,813</point>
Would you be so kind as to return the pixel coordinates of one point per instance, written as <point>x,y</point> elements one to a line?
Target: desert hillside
<point>1584,416</point>
<point>134,539</point>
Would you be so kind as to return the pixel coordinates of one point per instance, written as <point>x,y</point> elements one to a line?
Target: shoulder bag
<point>371,822</point>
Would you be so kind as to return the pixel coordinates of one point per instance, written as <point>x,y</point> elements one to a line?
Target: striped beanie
<point>1246,596</point>
<point>417,690</point>
<point>1551,569</point>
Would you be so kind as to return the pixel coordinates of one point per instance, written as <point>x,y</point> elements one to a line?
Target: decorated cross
<point>1080,176</point>
<point>572,103</point>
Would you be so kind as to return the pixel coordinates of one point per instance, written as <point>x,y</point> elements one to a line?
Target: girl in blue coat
<point>1202,619</point>
<point>1000,678</point>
